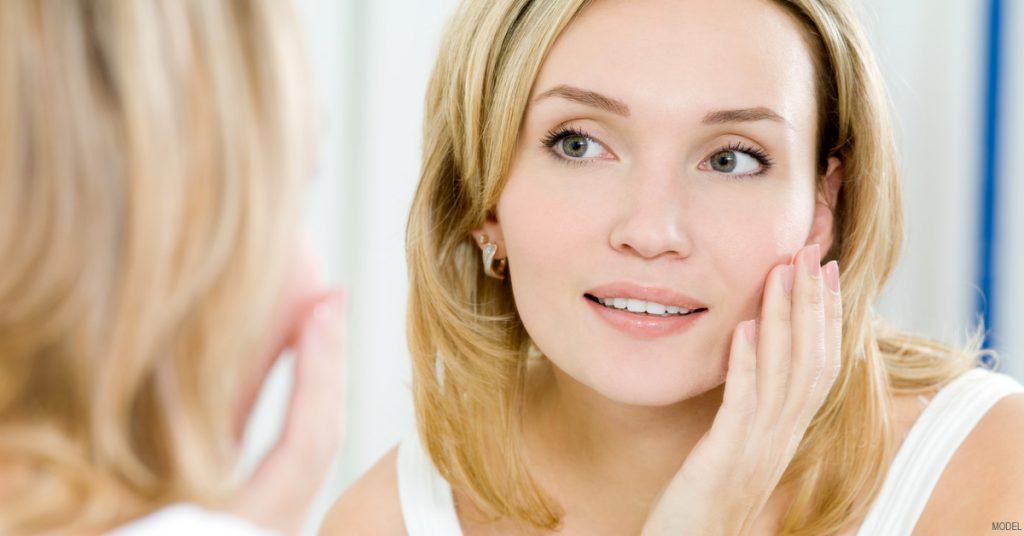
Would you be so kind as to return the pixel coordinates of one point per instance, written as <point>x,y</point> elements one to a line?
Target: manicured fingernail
<point>812,260</point>
<point>750,329</point>
<point>787,279</point>
<point>832,276</point>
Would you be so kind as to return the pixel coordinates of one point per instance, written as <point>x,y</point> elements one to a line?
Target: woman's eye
<point>577,146</point>
<point>734,162</point>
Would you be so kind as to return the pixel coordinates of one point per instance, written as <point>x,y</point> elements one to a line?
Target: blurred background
<point>955,71</point>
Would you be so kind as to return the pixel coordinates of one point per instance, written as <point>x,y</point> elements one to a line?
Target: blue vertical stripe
<point>990,151</point>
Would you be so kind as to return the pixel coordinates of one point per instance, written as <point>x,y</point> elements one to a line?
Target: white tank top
<point>428,507</point>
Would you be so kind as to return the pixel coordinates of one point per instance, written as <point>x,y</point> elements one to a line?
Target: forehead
<point>677,59</point>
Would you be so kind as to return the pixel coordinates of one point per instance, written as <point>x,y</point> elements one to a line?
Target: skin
<point>646,205</point>
<point>309,321</point>
<point>611,420</point>
<point>644,210</point>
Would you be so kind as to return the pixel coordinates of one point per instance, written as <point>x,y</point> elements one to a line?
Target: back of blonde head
<point>469,345</point>
<point>151,159</point>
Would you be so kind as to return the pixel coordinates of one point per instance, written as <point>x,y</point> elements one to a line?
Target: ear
<point>824,207</point>
<point>490,232</point>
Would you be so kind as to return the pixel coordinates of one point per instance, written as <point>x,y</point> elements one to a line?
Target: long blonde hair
<point>469,345</point>
<point>151,160</point>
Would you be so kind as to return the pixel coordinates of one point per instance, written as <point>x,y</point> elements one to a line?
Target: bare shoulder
<point>370,505</point>
<point>984,481</point>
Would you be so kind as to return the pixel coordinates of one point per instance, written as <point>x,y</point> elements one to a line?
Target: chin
<point>655,382</point>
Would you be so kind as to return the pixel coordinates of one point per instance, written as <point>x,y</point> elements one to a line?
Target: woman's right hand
<point>777,380</point>
<point>281,490</point>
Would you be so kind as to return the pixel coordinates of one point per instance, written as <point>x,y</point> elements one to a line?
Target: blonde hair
<point>470,348</point>
<point>151,160</point>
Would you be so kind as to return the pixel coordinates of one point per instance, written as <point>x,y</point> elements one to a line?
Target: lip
<point>664,296</point>
<point>645,326</point>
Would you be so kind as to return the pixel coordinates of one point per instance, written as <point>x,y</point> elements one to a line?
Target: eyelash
<point>762,158</point>
<point>555,135</point>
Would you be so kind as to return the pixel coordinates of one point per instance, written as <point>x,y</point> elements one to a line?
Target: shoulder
<point>984,481</point>
<point>370,505</point>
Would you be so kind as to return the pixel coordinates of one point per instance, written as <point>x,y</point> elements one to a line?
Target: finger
<point>808,354</point>
<point>299,460</point>
<point>833,333</point>
<point>773,347</point>
<point>833,308</point>
<point>314,415</point>
<point>739,400</point>
<point>300,292</point>
<point>312,429</point>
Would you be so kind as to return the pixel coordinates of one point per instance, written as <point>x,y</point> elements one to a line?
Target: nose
<point>654,219</point>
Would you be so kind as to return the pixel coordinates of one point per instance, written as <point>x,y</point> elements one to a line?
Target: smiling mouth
<point>642,307</point>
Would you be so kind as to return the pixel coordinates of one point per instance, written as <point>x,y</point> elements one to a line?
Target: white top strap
<point>933,439</point>
<point>428,507</point>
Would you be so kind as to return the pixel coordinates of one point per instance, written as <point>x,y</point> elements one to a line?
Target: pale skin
<point>612,421</point>
<point>310,322</point>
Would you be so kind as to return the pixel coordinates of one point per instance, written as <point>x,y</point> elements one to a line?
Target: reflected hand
<point>281,490</point>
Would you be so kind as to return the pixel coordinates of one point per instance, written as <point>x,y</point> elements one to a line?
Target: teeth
<point>655,308</point>
<point>641,306</point>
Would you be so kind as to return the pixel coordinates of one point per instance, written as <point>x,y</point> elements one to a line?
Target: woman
<point>152,161</point>
<point>593,171</point>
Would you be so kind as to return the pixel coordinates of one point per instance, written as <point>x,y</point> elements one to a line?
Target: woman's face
<point>666,157</point>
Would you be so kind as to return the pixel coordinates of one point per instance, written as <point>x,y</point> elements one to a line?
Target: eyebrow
<point>587,97</point>
<point>759,113</point>
<point>617,107</point>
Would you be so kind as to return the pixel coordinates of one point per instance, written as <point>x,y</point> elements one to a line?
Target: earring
<point>487,255</point>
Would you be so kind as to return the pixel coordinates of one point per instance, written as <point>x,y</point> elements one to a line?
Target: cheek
<point>300,290</point>
<point>545,235</point>
<point>302,287</point>
<point>551,236</point>
<point>556,229</point>
<point>774,232</point>
<point>746,245</point>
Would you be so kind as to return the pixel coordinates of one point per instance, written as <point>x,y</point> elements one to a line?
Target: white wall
<point>372,60</point>
<point>932,62</point>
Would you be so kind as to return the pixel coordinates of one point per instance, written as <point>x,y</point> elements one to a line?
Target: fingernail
<point>332,305</point>
<point>750,329</point>
<point>787,279</point>
<point>812,260</point>
<point>832,276</point>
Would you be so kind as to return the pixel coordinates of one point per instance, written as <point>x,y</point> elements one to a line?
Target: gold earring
<point>489,250</point>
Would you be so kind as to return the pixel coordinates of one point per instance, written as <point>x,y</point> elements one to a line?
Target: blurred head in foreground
<point>152,157</point>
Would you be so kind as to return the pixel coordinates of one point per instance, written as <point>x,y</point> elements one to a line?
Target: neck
<point>569,427</point>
